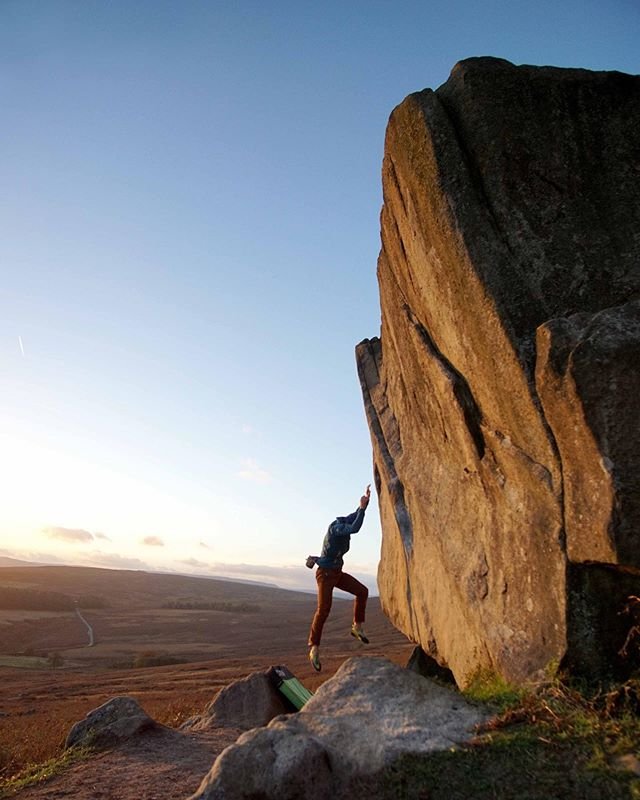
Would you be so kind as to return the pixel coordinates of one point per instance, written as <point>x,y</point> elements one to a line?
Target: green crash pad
<point>289,686</point>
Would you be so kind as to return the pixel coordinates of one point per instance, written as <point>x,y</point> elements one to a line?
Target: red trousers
<point>328,580</point>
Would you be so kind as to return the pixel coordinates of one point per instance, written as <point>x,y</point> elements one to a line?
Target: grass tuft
<point>490,689</point>
<point>37,773</point>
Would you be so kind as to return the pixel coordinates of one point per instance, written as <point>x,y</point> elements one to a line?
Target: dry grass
<point>38,773</point>
<point>23,662</point>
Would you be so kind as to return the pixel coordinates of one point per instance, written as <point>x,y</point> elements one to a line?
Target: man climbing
<point>329,575</point>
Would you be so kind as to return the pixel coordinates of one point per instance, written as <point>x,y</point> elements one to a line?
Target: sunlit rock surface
<point>502,395</point>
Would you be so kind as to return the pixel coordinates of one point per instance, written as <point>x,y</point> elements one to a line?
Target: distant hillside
<point>5,561</point>
<point>123,588</point>
<point>220,578</point>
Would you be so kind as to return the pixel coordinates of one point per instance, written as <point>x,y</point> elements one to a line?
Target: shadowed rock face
<point>502,395</point>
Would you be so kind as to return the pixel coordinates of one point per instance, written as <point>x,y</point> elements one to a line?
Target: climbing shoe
<point>314,657</point>
<point>358,632</point>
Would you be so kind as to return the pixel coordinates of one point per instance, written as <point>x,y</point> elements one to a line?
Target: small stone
<point>244,704</point>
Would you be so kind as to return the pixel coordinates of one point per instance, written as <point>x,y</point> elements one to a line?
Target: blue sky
<point>189,198</point>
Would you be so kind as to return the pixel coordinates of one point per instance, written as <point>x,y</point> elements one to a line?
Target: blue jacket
<point>337,539</point>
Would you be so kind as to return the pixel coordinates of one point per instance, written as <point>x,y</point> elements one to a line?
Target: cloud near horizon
<point>252,471</point>
<point>93,558</point>
<point>68,534</point>
<point>153,541</point>
<point>115,561</point>
<point>193,562</point>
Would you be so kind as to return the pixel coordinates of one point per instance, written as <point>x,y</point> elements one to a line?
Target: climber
<point>329,575</point>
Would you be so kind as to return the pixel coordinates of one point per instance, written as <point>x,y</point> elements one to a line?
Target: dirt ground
<point>157,765</point>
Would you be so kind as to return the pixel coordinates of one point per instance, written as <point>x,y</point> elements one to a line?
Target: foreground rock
<point>502,394</point>
<point>357,723</point>
<point>247,703</point>
<point>111,723</point>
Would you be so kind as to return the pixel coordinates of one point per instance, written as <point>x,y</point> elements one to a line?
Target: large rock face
<point>502,395</point>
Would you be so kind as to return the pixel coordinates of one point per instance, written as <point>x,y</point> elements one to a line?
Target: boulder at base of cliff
<point>111,723</point>
<point>247,703</point>
<point>358,722</point>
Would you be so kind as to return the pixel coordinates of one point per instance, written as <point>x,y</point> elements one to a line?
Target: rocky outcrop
<point>111,723</point>
<point>246,703</point>
<point>502,394</point>
<point>358,722</point>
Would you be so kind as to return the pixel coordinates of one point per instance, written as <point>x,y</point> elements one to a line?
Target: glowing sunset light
<point>189,236</point>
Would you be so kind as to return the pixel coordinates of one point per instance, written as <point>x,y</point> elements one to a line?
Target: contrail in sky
<point>21,345</point>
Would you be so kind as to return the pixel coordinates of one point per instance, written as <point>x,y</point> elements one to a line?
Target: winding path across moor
<point>89,628</point>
